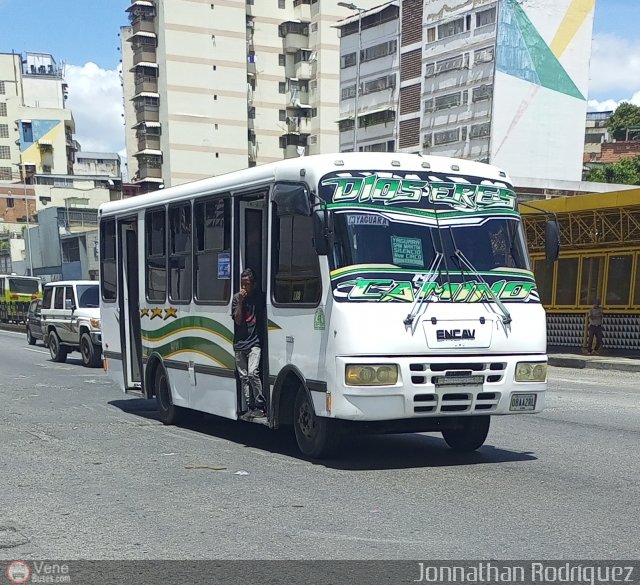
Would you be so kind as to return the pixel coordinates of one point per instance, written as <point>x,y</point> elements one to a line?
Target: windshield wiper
<point>506,316</point>
<point>434,270</point>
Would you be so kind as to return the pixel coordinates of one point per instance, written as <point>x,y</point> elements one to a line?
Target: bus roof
<point>314,167</point>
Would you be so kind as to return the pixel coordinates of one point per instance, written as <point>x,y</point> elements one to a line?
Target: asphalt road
<point>87,473</point>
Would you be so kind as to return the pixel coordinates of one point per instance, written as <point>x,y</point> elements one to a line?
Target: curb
<point>580,364</point>
<point>21,327</point>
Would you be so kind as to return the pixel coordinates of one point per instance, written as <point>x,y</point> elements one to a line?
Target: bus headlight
<point>531,372</point>
<point>371,375</point>
<point>95,323</point>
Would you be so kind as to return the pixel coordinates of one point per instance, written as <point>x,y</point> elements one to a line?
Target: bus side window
<point>212,261</point>
<point>156,255</point>
<point>296,278</point>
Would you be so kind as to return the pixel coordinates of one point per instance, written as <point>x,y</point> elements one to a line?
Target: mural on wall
<point>543,49</point>
<point>37,139</point>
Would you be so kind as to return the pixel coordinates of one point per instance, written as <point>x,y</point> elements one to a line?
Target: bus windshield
<point>24,286</point>
<point>88,297</point>
<point>375,239</point>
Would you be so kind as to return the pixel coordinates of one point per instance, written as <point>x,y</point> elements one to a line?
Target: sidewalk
<point>564,357</point>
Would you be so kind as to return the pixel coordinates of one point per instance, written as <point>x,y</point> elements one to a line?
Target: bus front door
<point>251,225</point>
<point>130,330</point>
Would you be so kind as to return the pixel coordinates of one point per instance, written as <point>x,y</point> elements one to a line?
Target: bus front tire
<point>317,437</point>
<point>170,414</point>
<point>58,353</point>
<point>470,435</point>
<point>91,354</point>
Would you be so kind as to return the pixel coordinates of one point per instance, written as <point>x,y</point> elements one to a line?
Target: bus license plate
<point>523,402</point>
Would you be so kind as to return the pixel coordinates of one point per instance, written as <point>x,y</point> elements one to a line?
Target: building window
<point>296,279</point>
<point>379,51</point>
<point>156,255</point>
<point>450,100</point>
<point>485,17</point>
<point>483,55</point>
<point>379,84</point>
<point>4,130</point>
<point>3,88</point>
<point>281,4</point>
<point>431,35</point>
<point>446,136</point>
<point>251,113</point>
<point>282,87</point>
<point>5,152</point>
<point>282,60</point>
<point>108,279</point>
<point>212,261</point>
<point>180,275</point>
<point>348,60</point>
<point>480,130</point>
<point>348,92</point>
<point>11,202</point>
<point>484,92</point>
<point>5,173</point>
<point>282,115</point>
<point>449,29</point>
<point>3,109</point>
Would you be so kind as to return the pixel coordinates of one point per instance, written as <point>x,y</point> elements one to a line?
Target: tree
<point>625,115</point>
<point>624,172</point>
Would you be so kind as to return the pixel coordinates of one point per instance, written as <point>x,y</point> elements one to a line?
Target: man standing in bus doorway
<point>595,327</point>
<point>245,310</point>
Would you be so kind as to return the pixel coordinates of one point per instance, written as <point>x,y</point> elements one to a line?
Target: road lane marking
<point>35,350</point>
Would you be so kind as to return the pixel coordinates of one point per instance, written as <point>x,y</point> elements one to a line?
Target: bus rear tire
<point>317,436</point>
<point>170,414</point>
<point>470,435</point>
<point>58,353</point>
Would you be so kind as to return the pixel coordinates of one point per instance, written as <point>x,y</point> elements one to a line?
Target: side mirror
<point>320,239</point>
<point>291,199</point>
<point>552,240</point>
<point>69,305</point>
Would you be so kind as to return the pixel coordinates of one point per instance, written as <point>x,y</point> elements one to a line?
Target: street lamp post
<point>351,6</point>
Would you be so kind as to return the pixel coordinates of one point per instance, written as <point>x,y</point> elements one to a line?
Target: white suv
<point>71,320</point>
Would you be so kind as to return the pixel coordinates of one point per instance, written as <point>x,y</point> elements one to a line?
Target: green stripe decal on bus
<point>273,326</point>
<point>188,324</point>
<point>197,345</point>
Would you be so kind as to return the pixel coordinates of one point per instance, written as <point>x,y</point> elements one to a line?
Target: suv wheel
<point>58,353</point>
<point>31,340</point>
<point>91,354</point>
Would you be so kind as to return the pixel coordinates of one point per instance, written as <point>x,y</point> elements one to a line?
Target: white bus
<point>397,291</point>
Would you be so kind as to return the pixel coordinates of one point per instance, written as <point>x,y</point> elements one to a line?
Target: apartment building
<point>36,129</point>
<point>216,86</point>
<point>499,81</point>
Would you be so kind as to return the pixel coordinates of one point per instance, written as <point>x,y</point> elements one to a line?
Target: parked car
<point>71,320</point>
<point>34,322</point>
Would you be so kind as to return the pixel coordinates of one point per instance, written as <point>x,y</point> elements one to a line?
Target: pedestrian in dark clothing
<point>245,310</point>
<point>595,327</point>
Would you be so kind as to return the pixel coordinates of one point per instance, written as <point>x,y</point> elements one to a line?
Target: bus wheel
<point>31,340</point>
<point>91,354</point>
<point>170,414</point>
<point>470,435</point>
<point>317,436</point>
<point>58,353</point>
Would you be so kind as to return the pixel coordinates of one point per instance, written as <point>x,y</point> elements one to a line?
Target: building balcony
<point>144,55</point>
<point>147,114</point>
<point>292,42</point>
<point>147,171</point>
<point>143,25</point>
<point>304,70</point>
<point>302,9</point>
<point>146,83</point>
<point>147,141</point>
